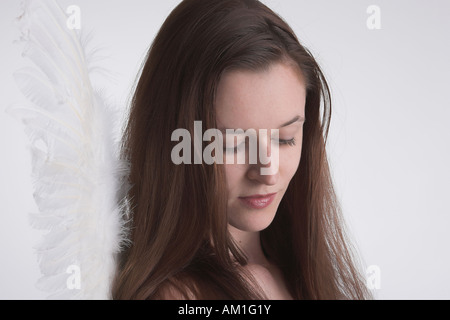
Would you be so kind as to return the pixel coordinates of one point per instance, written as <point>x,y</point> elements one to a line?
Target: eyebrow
<point>295,119</point>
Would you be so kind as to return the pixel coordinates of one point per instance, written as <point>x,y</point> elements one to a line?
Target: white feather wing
<point>79,179</point>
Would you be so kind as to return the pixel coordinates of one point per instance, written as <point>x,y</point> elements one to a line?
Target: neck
<point>250,243</point>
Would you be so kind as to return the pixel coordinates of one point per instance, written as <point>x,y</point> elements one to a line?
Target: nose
<point>266,169</point>
<point>254,173</point>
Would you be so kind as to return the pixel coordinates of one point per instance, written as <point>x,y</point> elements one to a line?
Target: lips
<point>258,201</point>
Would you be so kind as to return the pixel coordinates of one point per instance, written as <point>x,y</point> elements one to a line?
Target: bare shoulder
<point>271,281</point>
<point>259,272</point>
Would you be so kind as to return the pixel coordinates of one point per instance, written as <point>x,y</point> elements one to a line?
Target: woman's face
<point>273,99</point>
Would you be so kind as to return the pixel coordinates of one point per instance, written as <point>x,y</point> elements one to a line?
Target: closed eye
<point>235,149</point>
<point>290,142</point>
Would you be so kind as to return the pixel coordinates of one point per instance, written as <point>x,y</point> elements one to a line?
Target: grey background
<point>389,144</point>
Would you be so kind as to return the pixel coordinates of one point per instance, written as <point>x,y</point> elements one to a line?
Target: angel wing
<point>79,179</point>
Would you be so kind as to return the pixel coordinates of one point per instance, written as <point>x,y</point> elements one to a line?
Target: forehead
<point>265,99</point>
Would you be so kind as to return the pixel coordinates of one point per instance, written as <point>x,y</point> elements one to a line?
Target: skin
<point>261,100</point>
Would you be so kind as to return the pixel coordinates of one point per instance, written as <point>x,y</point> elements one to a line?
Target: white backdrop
<point>389,143</point>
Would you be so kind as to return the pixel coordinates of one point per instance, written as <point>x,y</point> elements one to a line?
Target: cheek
<point>234,174</point>
<point>289,161</point>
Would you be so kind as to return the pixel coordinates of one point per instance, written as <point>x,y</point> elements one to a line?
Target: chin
<point>251,220</point>
<point>248,219</point>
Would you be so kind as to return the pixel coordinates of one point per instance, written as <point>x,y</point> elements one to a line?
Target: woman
<point>227,231</point>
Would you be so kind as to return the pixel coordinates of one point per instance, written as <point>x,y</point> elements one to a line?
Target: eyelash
<point>290,142</point>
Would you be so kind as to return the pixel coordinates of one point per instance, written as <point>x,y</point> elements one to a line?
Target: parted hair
<point>179,237</point>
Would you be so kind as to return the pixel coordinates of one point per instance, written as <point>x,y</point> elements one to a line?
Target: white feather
<point>79,179</point>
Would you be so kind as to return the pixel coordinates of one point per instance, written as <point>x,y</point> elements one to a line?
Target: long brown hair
<point>179,236</point>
